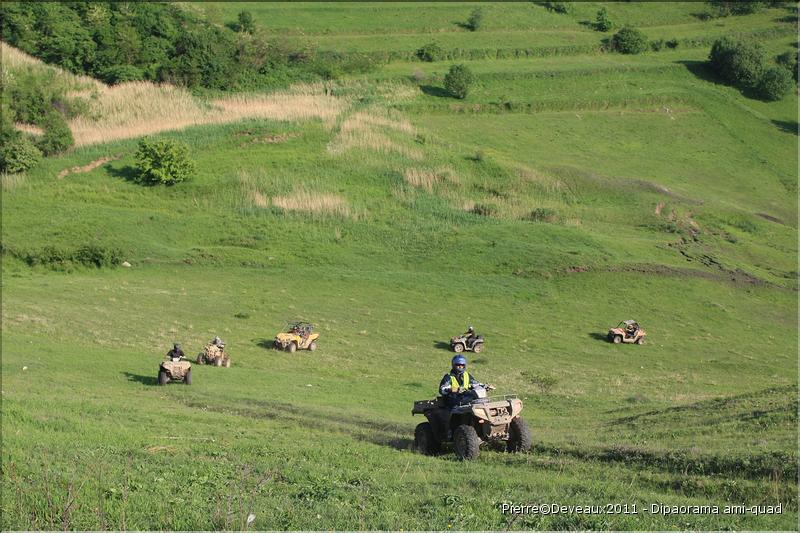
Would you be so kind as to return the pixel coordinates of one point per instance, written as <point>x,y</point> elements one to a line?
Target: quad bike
<point>627,331</point>
<point>297,336</point>
<point>214,355</point>
<point>175,369</point>
<point>471,424</point>
<point>464,343</point>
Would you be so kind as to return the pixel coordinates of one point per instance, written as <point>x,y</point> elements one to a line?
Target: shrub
<point>738,62</point>
<point>57,137</point>
<point>475,19</point>
<point>774,84</point>
<point>430,52</point>
<point>657,45</point>
<point>603,23</point>
<point>629,41</point>
<point>121,73</point>
<point>542,214</point>
<point>163,162</point>
<point>722,8</point>
<point>246,23</point>
<point>18,154</point>
<point>559,7</point>
<point>484,210</point>
<point>458,81</point>
<point>788,60</point>
<point>672,43</point>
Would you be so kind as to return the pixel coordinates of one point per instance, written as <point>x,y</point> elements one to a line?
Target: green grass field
<point>564,194</point>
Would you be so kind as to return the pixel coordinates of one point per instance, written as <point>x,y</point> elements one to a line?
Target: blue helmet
<point>459,360</point>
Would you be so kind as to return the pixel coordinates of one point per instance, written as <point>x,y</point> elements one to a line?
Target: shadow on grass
<point>432,90</point>
<point>786,125</point>
<point>128,173</point>
<point>702,70</point>
<point>599,336</point>
<point>267,344</point>
<point>441,345</point>
<point>144,380</point>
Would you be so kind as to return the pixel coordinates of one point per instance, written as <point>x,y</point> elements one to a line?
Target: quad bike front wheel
<point>478,348</point>
<point>466,442</point>
<point>292,347</point>
<point>424,441</point>
<point>201,359</point>
<point>187,379</point>
<point>519,436</point>
<point>218,361</point>
<point>162,377</point>
<point>312,346</point>
<point>228,362</point>
<point>640,340</point>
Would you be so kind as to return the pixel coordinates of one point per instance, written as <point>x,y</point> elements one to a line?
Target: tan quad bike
<point>175,369</point>
<point>461,343</point>
<point>214,355</point>
<point>471,424</point>
<point>628,332</point>
<point>297,336</point>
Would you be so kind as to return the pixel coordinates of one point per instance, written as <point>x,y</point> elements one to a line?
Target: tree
<point>57,137</point>
<point>603,23</point>
<point>18,153</point>
<point>458,81</point>
<point>629,41</point>
<point>475,19</point>
<point>774,84</point>
<point>163,162</point>
<point>246,23</point>
<point>738,62</point>
<point>788,60</point>
<point>431,52</point>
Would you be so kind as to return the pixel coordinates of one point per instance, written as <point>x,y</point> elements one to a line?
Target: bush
<point>57,137</point>
<point>788,60</point>
<point>559,7</point>
<point>121,73</point>
<point>475,19</point>
<point>163,162</point>
<point>672,43</point>
<point>430,52</point>
<point>484,210</point>
<point>458,81</point>
<point>18,154</point>
<point>246,23</point>
<point>629,41</point>
<point>737,62</point>
<point>603,23</point>
<point>774,84</point>
<point>542,214</point>
<point>722,8</point>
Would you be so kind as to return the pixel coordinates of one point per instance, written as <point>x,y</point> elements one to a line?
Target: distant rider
<point>175,352</point>
<point>456,386</point>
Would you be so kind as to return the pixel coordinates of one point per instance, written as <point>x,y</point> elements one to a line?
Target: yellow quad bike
<point>214,355</point>
<point>297,336</point>
<point>627,331</point>
<point>175,369</point>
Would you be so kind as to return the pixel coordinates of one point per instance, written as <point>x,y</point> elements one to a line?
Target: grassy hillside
<point>565,193</point>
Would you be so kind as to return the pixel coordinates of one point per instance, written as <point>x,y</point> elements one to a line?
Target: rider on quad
<point>456,386</point>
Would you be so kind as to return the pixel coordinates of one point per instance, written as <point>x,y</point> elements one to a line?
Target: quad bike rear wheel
<point>424,441</point>
<point>458,347</point>
<point>617,339</point>
<point>519,436</point>
<point>466,442</point>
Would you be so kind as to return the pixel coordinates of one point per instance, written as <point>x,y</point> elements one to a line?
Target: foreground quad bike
<point>463,343</point>
<point>214,355</point>
<point>297,336</point>
<point>627,331</point>
<point>470,425</point>
<point>175,369</point>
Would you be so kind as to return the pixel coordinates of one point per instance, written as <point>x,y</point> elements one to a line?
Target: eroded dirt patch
<point>87,168</point>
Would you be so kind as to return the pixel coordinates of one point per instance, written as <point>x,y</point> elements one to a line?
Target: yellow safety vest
<point>454,382</point>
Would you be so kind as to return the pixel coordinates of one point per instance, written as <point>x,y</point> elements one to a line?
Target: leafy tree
<point>775,83</point>
<point>475,19</point>
<point>431,52</point>
<point>57,137</point>
<point>788,60</point>
<point>163,162</point>
<point>629,41</point>
<point>603,22</point>
<point>246,23</point>
<point>458,81</point>
<point>738,62</point>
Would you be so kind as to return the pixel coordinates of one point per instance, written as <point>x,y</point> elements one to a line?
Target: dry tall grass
<point>135,109</point>
<point>426,178</point>
<point>371,129</point>
<point>314,203</point>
